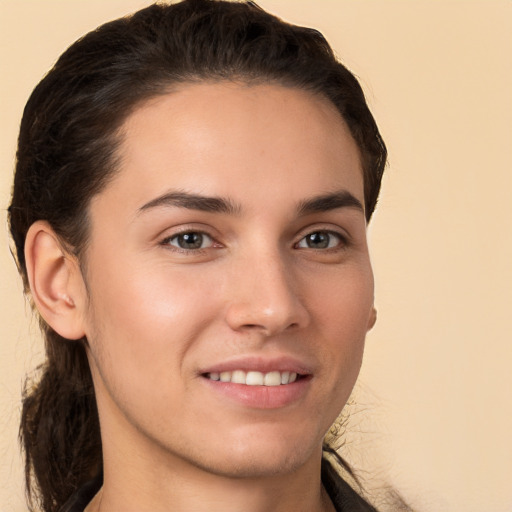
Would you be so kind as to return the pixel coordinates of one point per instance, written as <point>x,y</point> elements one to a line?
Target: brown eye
<point>191,240</point>
<point>320,240</point>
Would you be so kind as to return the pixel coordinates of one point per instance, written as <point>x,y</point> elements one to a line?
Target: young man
<point>190,205</point>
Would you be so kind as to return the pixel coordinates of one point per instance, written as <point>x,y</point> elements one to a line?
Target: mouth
<point>260,382</point>
<point>255,378</point>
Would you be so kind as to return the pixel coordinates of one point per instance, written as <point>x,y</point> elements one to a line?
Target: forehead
<point>226,138</point>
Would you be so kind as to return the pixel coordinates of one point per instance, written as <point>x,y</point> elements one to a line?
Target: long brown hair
<point>67,153</point>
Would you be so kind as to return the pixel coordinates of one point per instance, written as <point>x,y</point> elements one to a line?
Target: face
<point>228,279</point>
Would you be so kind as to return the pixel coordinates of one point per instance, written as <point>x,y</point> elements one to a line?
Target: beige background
<point>434,413</point>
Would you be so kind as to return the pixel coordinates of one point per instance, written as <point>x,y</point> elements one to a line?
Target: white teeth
<point>225,377</point>
<point>253,378</point>
<point>238,377</point>
<point>272,379</point>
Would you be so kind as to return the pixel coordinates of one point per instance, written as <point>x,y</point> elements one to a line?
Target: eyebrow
<point>327,202</point>
<point>317,204</point>
<point>193,202</point>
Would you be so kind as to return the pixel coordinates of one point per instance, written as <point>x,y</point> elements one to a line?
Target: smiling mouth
<point>254,378</point>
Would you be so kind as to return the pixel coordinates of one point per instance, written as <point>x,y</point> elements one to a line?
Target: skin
<point>157,315</point>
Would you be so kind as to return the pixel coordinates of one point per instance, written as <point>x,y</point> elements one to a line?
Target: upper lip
<point>260,364</point>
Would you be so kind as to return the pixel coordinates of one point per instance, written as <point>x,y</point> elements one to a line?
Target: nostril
<point>267,329</point>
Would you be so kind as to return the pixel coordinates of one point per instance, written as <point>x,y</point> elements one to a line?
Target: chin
<point>259,457</point>
<point>256,466</point>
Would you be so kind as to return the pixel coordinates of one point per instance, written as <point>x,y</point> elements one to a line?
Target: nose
<point>265,297</point>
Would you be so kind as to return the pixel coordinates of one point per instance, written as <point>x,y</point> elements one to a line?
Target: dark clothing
<point>344,498</point>
<point>83,496</point>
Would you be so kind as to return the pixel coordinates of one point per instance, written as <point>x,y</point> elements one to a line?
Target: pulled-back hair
<point>67,152</point>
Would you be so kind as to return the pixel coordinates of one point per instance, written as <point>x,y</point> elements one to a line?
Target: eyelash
<point>342,240</point>
<point>340,245</point>
<point>168,242</point>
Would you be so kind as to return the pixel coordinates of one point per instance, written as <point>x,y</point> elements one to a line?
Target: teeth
<point>272,379</point>
<point>252,378</point>
<point>238,377</point>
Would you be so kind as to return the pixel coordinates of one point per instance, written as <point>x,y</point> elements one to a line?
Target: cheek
<point>342,306</point>
<point>143,330</point>
<point>146,319</point>
<point>343,301</point>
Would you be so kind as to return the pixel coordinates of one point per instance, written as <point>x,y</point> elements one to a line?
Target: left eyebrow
<point>327,202</point>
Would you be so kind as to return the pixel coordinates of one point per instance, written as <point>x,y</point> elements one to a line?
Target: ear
<point>372,318</point>
<point>56,282</point>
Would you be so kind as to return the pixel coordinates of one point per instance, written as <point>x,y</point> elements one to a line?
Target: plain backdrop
<point>433,411</point>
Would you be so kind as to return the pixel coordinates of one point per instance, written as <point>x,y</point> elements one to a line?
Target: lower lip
<point>261,397</point>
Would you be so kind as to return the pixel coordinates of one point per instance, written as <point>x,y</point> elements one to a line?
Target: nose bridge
<point>265,295</point>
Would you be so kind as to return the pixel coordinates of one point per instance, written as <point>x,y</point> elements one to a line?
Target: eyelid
<point>205,237</point>
<point>183,230</point>
<point>337,230</point>
<point>345,238</point>
<point>342,240</point>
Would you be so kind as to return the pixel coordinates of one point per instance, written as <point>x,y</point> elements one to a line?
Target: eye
<point>190,240</point>
<point>321,240</point>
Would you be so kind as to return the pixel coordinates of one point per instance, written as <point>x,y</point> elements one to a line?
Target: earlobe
<point>56,283</point>
<point>372,318</point>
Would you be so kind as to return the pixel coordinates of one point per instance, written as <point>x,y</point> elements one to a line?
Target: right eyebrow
<point>190,201</point>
